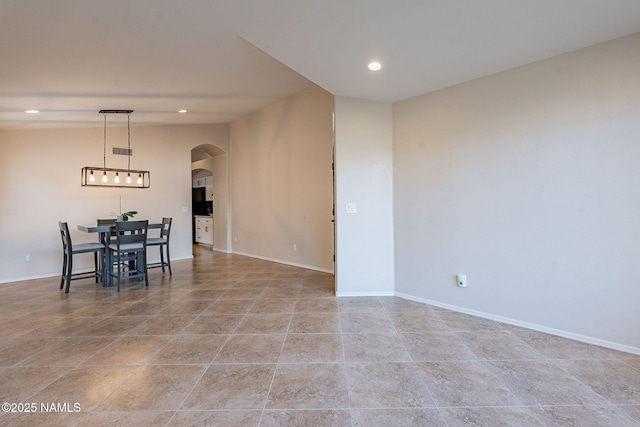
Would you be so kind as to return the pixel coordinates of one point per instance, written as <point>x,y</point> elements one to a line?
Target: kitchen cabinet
<point>204,230</point>
<point>199,182</point>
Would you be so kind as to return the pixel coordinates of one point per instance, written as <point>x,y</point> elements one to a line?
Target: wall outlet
<point>27,258</point>
<point>462,280</point>
<point>295,248</point>
<point>235,239</point>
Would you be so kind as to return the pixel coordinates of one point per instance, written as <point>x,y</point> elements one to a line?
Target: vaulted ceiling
<point>221,59</point>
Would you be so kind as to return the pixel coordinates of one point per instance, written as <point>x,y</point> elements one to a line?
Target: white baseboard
<point>279,261</point>
<point>220,250</point>
<point>365,294</point>
<point>22,279</point>
<point>527,325</point>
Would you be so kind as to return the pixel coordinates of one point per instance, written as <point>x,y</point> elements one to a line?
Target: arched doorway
<point>209,170</point>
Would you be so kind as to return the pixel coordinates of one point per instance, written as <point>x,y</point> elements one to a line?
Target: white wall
<point>40,185</point>
<point>280,181</point>
<point>364,246</point>
<point>528,181</point>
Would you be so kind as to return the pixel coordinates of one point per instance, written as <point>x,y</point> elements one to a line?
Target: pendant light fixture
<point>110,176</point>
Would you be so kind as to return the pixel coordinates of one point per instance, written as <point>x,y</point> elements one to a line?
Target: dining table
<point>105,232</point>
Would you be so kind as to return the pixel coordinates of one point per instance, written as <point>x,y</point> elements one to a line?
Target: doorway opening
<point>210,197</point>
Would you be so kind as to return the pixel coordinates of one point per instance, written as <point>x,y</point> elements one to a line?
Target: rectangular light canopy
<point>120,178</point>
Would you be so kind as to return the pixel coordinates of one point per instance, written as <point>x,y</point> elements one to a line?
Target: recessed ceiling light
<point>375,66</point>
<point>182,111</point>
<point>32,111</point>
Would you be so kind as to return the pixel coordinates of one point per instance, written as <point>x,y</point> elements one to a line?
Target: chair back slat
<point>131,232</point>
<point>66,237</point>
<point>166,230</point>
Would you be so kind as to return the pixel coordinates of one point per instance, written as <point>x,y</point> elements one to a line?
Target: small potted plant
<point>124,216</point>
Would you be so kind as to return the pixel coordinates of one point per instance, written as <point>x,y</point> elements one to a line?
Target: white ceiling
<point>220,59</point>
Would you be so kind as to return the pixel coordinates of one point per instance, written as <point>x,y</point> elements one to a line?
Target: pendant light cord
<point>128,143</point>
<point>104,146</point>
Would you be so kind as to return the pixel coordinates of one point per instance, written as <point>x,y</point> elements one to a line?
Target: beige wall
<point>528,181</point>
<point>364,164</point>
<point>280,181</point>
<point>40,185</point>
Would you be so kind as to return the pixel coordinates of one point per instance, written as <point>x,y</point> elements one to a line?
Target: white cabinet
<point>204,230</point>
<point>198,182</point>
<point>208,183</point>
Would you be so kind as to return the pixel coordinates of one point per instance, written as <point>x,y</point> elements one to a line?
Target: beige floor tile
<point>309,386</point>
<point>216,418</point>
<point>16,350</point>
<point>87,386</point>
<point>310,348</point>
<point>19,383</point>
<point>315,418</point>
<point>231,386</point>
<point>189,349</point>
<point>366,323</point>
<point>359,304</point>
<point>213,324</point>
<point>125,418</point>
<point>163,325</point>
<point>309,304</point>
<point>464,322</point>
<point>468,383</point>
<point>631,410</point>
<point>417,322</point>
<point>230,306</point>
<point>41,419</point>
<point>374,348</point>
<point>251,349</point>
<point>436,347</point>
<point>614,380</point>
<point>129,350</point>
<point>537,382</point>
<point>315,323</point>
<point>592,416</point>
<point>498,345</point>
<point>265,324</point>
<point>185,306</point>
<point>562,348</point>
<point>70,351</point>
<point>417,417</point>
<point>387,385</point>
<point>113,326</point>
<point>494,417</point>
<point>161,387</point>
<point>273,305</point>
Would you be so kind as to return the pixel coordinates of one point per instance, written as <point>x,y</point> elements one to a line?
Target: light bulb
<point>139,181</point>
<point>128,178</point>
<point>104,177</point>
<point>92,177</point>
<point>117,178</point>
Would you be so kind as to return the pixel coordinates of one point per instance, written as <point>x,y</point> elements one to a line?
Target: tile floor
<point>234,341</point>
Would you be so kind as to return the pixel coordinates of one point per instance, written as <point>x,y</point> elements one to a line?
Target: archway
<point>209,166</point>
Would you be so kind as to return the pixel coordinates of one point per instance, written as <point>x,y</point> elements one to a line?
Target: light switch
<point>351,208</point>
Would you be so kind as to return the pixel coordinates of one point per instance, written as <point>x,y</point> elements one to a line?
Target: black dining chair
<point>162,242</point>
<point>103,236</point>
<point>69,250</point>
<point>129,251</point>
